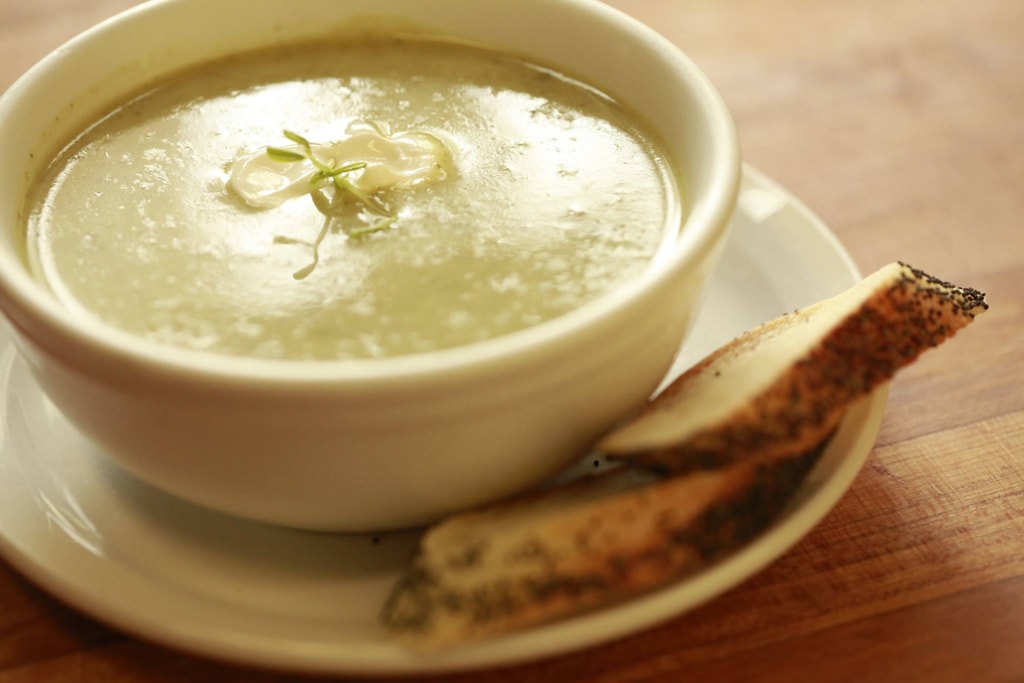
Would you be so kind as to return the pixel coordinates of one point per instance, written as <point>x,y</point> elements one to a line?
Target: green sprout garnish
<point>328,189</point>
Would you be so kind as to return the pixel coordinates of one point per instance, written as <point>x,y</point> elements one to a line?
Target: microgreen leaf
<point>348,168</point>
<point>284,155</point>
<point>297,139</point>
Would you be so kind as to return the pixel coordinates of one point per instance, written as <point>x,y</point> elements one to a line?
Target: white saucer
<point>182,576</point>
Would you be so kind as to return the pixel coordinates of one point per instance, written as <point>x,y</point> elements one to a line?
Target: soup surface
<point>541,194</point>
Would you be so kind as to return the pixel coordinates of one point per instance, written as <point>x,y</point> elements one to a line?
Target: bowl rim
<point>30,307</point>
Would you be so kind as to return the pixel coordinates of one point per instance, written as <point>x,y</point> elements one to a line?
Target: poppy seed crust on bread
<point>779,388</point>
<point>586,544</point>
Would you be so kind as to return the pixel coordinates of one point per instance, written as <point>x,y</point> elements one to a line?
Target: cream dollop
<point>391,160</point>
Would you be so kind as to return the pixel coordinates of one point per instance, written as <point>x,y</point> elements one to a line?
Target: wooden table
<point>901,122</point>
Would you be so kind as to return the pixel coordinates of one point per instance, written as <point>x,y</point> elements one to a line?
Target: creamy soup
<point>350,201</point>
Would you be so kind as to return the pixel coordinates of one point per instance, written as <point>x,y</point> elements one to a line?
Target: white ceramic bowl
<point>365,445</point>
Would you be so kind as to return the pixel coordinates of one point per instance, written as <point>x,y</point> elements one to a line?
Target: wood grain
<point>902,125</point>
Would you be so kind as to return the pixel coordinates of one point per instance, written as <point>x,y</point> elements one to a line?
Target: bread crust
<point>902,312</point>
<point>470,581</point>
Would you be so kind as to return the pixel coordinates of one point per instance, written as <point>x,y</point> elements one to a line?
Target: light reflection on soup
<point>553,196</point>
